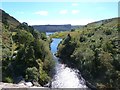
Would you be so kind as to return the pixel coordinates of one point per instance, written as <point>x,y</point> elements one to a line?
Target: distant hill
<point>52,28</point>
<point>106,23</point>
<point>68,27</point>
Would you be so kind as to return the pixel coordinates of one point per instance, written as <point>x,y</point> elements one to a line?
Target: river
<point>64,77</point>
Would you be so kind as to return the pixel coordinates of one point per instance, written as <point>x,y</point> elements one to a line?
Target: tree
<point>24,37</point>
<point>30,57</point>
<point>23,26</point>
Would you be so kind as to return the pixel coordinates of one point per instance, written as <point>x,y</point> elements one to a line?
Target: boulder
<point>28,84</point>
<point>36,84</point>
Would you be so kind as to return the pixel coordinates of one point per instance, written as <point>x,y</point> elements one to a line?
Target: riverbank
<point>10,86</point>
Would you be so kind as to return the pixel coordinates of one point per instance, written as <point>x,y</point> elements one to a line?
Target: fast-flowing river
<point>64,77</point>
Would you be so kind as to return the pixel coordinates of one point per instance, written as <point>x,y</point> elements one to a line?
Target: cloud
<point>74,4</point>
<point>63,12</point>
<point>43,13</point>
<point>75,11</point>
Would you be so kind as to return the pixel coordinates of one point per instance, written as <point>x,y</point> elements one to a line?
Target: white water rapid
<point>65,77</point>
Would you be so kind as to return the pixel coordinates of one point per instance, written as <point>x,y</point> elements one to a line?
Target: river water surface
<point>64,77</point>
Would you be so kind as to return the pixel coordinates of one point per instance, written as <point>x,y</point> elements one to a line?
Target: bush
<point>82,38</point>
<point>8,79</point>
<point>108,32</point>
<point>32,74</point>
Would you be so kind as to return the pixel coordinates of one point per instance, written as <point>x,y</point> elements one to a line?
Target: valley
<point>61,56</point>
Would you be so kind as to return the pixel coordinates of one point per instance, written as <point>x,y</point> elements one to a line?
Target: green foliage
<point>26,52</point>
<point>28,57</point>
<point>44,78</point>
<point>108,32</point>
<point>9,80</point>
<point>36,35</point>
<point>6,43</point>
<point>43,36</point>
<point>72,30</point>
<point>95,52</point>
<point>23,26</point>
<point>23,37</point>
<point>32,74</point>
<point>43,75</point>
<point>82,39</point>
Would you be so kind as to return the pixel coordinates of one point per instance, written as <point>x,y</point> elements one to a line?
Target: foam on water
<point>66,77</point>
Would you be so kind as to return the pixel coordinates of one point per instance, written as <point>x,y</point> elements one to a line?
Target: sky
<point>75,13</point>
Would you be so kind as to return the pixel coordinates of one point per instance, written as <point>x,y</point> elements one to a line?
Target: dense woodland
<point>95,51</point>
<point>25,52</point>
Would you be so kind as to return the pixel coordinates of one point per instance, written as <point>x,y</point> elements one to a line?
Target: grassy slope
<point>8,24</point>
<point>106,23</point>
<point>94,50</point>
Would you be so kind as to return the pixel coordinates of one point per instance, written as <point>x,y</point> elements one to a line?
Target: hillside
<point>111,23</point>
<point>95,51</point>
<point>7,19</point>
<point>7,24</point>
<point>52,28</point>
<point>25,54</point>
